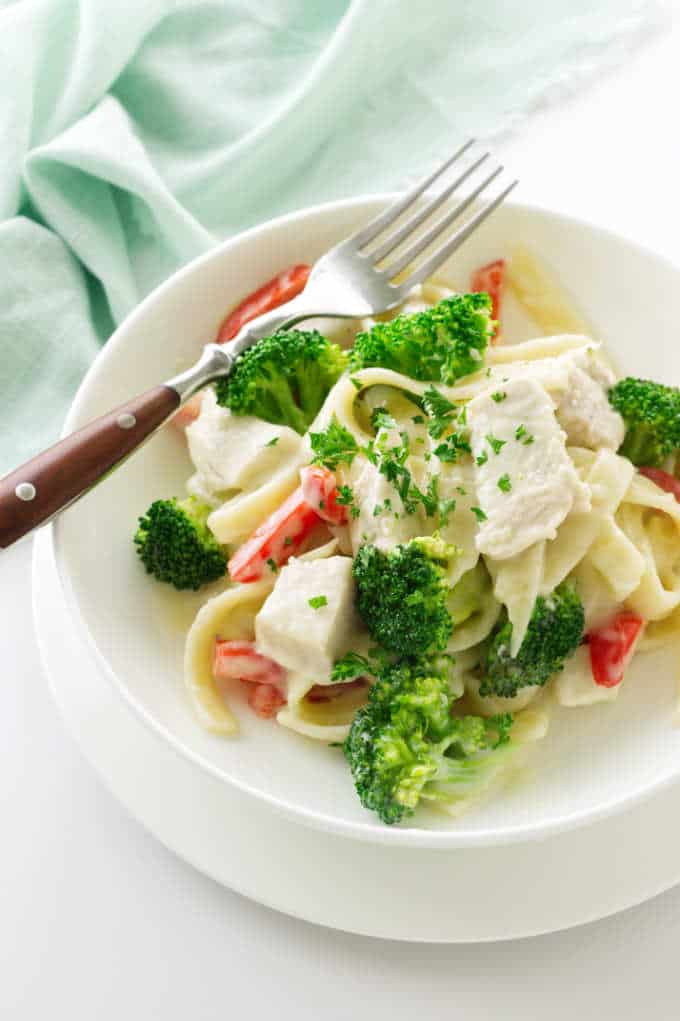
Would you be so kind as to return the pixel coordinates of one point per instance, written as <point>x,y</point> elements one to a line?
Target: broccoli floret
<point>441,344</point>
<point>555,630</point>
<point>401,595</point>
<point>284,378</point>
<point>405,745</point>
<point>175,544</point>
<point>651,413</point>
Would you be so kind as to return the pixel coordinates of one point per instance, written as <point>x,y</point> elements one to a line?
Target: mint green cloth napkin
<point>135,135</point>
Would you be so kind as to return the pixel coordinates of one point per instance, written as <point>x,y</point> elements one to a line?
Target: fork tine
<point>435,260</point>
<point>394,240</point>
<point>426,239</point>
<point>389,215</point>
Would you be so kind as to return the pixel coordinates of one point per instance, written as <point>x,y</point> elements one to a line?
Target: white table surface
<point>97,920</point>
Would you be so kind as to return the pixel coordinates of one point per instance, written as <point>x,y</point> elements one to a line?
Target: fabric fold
<point>137,135</point>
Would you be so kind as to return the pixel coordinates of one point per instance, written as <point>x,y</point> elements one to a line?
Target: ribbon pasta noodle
<point>231,614</point>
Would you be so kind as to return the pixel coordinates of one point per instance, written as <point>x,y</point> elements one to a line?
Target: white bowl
<point>595,761</point>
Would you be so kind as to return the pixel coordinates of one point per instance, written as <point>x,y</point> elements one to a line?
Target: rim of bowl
<point>411,836</point>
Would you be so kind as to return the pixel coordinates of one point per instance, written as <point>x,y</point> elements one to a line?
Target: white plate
<point>594,761</point>
<point>461,895</point>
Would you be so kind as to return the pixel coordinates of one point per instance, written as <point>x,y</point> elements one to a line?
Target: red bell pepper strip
<point>279,537</point>
<point>491,278</point>
<point>238,660</point>
<point>612,647</point>
<point>275,292</point>
<point>663,479</point>
<point>265,700</point>
<point>320,490</point>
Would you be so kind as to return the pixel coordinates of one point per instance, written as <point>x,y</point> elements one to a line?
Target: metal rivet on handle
<point>126,420</point>
<point>25,491</point>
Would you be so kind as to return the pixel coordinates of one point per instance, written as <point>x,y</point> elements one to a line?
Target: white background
<point>97,920</point>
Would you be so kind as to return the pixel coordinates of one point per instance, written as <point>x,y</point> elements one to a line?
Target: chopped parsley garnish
<point>381,419</point>
<point>436,404</point>
<point>499,396</point>
<point>288,541</point>
<point>316,602</point>
<point>391,463</point>
<point>504,483</point>
<point>454,446</point>
<point>440,411</point>
<point>430,498</point>
<point>482,459</point>
<point>345,497</point>
<point>496,445</point>
<point>523,436</point>
<point>272,565</point>
<point>418,419</point>
<point>478,513</point>
<point>351,666</point>
<point>370,451</point>
<point>446,508</point>
<point>273,441</point>
<point>333,447</point>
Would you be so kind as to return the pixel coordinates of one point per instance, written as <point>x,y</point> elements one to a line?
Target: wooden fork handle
<point>42,487</point>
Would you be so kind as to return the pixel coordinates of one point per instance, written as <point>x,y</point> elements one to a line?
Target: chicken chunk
<point>307,637</point>
<point>586,415</point>
<point>526,482</point>
<point>232,451</point>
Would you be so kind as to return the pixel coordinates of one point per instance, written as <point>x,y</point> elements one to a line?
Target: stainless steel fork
<point>352,280</point>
